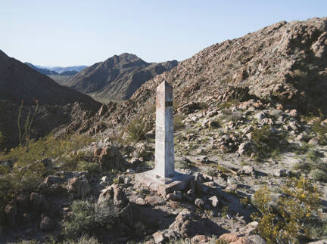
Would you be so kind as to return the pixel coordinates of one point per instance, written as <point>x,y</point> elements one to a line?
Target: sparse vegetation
<point>178,122</point>
<point>137,129</point>
<point>28,168</point>
<point>90,218</point>
<point>267,142</point>
<point>25,127</point>
<point>288,219</point>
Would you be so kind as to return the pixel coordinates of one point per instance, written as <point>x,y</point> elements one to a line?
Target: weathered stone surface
<point>179,182</point>
<point>228,237</point>
<point>199,203</point>
<point>199,239</point>
<point>164,145</point>
<point>214,201</point>
<point>79,187</point>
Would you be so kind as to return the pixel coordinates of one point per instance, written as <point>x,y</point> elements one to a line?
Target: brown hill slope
<point>283,63</point>
<point>118,77</point>
<point>58,106</point>
<point>20,82</point>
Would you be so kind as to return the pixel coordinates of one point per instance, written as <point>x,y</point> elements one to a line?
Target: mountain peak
<point>118,77</point>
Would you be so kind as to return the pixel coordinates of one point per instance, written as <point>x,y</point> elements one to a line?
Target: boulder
<point>214,201</point>
<point>113,194</point>
<point>79,187</point>
<point>228,237</point>
<point>245,148</point>
<point>183,224</point>
<point>158,237</point>
<point>199,239</point>
<point>199,202</point>
<point>247,170</point>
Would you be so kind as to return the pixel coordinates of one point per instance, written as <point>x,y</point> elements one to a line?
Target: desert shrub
<point>318,175</point>
<point>228,104</point>
<point>289,218</point>
<point>83,240</point>
<point>82,219</point>
<point>25,126</point>
<point>91,167</point>
<point>136,130</point>
<point>28,169</point>
<point>89,218</point>
<point>178,122</point>
<point>321,131</point>
<point>267,142</point>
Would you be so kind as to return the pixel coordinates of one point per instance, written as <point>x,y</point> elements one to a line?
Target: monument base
<point>177,182</point>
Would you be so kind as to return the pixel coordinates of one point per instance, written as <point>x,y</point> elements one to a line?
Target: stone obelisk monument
<point>164,150</point>
<point>163,178</point>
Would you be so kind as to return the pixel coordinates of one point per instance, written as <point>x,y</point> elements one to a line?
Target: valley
<point>250,129</point>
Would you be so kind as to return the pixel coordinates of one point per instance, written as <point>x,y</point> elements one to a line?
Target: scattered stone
<point>127,180</point>
<point>245,148</point>
<point>199,202</point>
<point>280,172</point>
<point>214,201</point>
<point>79,187</point>
<point>140,201</point>
<point>199,239</point>
<point>106,194</point>
<point>293,113</point>
<point>247,170</point>
<point>260,116</point>
<point>158,237</point>
<point>175,196</point>
<point>313,141</point>
<point>228,237</point>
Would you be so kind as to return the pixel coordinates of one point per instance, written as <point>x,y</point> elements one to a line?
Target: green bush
<point>267,142</point>
<point>28,170</point>
<point>318,175</point>
<point>136,130</point>
<point>289,218</point>
<point>178,122</point>
<point>83,240</point>
<point>321,131</point>
<point>90,218</point>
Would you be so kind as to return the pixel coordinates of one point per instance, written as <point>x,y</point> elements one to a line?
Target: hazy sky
<point>76,32</point>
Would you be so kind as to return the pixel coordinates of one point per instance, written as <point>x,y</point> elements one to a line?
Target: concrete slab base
<point>177,182</point>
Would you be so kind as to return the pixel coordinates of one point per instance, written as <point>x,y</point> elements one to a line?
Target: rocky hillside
<point>250,126</point>
<point>118,77</point>
<point>56,104</point>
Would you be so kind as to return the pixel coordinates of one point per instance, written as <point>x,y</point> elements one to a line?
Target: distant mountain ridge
<point>58,74</point>
<point>118,77</point>
<point>60,70</point>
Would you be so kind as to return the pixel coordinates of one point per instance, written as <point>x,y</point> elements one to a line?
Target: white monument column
<point>164,151</point>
